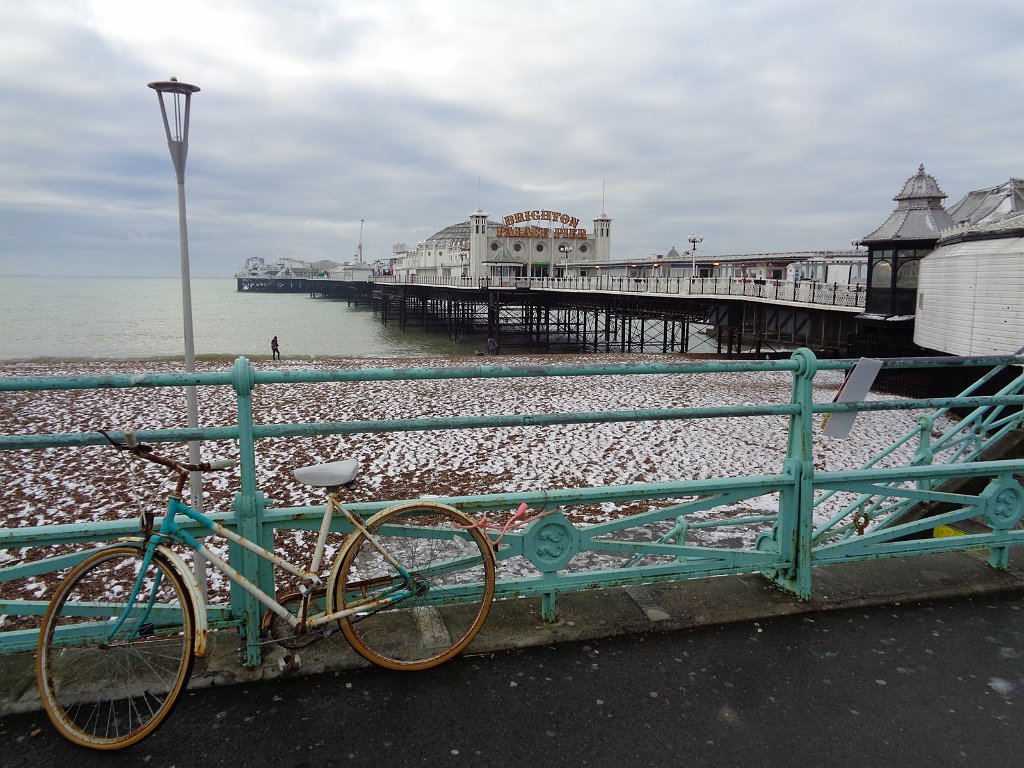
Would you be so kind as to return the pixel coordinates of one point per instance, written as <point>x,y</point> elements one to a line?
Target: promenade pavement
<point>597,614</point>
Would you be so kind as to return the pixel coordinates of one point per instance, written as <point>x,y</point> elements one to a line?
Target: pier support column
<point>493,306</point>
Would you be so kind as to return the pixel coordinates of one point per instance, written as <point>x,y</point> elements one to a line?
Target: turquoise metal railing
<point>654,544</point>
<point>882,512</point>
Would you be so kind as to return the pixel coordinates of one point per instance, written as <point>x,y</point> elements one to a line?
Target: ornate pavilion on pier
<point>947,280</point>
<point>534,243</point>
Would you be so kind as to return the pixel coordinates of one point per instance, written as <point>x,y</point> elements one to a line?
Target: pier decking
<point>606,313</point>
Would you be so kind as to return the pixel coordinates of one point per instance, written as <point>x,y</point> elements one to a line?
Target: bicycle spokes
<point>422,620</point>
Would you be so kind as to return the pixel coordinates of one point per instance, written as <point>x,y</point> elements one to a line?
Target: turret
<point>477,243</point>
<point>602,237</point>
<point>896,248</point>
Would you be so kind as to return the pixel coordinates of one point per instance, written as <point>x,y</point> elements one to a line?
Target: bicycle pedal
<point>290,663</point>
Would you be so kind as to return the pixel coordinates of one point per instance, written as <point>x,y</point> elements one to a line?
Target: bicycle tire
<point>111,692</point>
<point>450,560</point>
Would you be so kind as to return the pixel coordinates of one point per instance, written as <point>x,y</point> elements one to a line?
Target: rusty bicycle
<point>409,588</point>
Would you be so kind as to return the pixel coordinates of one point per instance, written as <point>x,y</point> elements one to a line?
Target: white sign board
<point>854,390</point>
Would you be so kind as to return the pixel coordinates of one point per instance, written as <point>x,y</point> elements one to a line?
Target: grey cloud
<point>763,126</point>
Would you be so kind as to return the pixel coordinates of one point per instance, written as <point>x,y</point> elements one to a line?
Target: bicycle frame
<point>171,531</point>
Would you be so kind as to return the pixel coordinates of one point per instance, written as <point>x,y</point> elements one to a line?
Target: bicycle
<point>124,627</point>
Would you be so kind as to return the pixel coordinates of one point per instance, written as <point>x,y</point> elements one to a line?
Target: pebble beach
<point>67,486</point>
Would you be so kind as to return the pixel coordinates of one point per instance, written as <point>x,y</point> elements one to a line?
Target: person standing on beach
<point>274,350</point>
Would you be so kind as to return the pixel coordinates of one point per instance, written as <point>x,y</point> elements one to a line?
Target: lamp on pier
<point>694,239</point>
<point>566,251</point>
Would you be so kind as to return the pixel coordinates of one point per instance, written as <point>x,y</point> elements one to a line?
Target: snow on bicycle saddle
<point>328,475</point>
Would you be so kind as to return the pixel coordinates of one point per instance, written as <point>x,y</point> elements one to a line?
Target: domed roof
<point>919,214</point>
<point>455,233</point>
<point>921,186</point>
<point>672,254</point>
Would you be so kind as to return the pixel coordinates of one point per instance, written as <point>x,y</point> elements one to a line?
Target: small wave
<point>53,359</point>
<point>217,358</point>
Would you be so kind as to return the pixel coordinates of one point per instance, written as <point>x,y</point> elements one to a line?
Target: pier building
<point>531,243</point>
<point>945,280</point>
<point>970,298</point>
<point>543,243</point>
<point>930,280</point>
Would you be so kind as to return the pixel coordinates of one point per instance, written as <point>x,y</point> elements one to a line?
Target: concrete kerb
<point>597,614</point>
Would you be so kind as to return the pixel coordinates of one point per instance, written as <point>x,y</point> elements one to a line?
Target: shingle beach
<point>64,486</point>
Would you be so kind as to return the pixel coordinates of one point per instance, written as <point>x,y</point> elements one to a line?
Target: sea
<point>126,318</point>
<point>68,318</point>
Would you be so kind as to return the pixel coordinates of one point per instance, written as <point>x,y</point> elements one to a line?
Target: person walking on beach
<point>275,351</point>
<point>492,346</point>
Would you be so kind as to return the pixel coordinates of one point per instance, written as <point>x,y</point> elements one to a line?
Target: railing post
<point>549,599</point>
<point>248,506</point>
<point>924,453</point>
<point>794,529</point>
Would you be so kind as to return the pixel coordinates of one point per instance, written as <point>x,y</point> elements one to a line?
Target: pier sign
<point>568,229</point>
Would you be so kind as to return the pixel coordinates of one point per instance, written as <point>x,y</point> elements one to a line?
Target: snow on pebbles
<point>68,485</point>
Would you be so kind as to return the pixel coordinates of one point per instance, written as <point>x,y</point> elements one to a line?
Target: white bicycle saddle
<point>328,475</point>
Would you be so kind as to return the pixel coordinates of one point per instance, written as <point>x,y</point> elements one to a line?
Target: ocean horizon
<point>126,318</point>
<point>67,318</point>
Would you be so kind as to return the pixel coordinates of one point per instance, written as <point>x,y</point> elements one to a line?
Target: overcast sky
<point>767,125</point>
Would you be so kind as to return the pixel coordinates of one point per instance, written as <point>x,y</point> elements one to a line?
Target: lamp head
<point>173,86</point>
<point>176,124</point>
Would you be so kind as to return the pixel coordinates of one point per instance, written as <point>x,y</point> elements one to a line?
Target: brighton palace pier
<point>536,278</point>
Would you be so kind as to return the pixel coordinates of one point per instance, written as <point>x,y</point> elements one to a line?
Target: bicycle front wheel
<point>409,627</point>
<point>104,685</point>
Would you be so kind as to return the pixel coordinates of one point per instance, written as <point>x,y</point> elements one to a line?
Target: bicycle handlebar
<point>143,451</point>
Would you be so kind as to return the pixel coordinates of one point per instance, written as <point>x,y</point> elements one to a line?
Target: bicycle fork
<point>144,628</point>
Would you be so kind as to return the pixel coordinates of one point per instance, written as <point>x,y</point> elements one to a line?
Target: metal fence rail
<point>654,544</point>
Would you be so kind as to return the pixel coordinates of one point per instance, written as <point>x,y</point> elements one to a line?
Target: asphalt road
<point>935,684</point>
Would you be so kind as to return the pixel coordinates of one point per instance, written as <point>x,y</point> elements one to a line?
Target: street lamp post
<point>566,251</point>
<point>176,129</point>
<point>694,239</point>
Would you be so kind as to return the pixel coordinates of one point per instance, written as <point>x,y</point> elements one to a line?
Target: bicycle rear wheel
<point>453,570</point>
<point>108,689</point>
